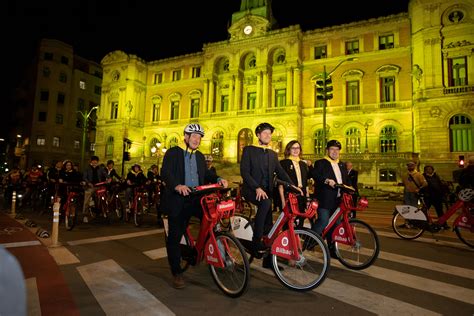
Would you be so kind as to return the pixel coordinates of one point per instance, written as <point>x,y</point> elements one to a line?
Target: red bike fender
<point>213,253</point>
<point>281,246</point>
<point>340,235</point>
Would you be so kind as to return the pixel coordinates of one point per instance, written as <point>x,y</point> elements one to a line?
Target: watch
<point>248,29</point>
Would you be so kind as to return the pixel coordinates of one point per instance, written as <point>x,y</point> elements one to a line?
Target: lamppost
<point>324,89</point>
<point>155,150</point>
<point>85,124</point>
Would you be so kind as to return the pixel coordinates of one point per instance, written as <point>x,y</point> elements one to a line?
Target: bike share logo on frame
<point>210,257</point>
<point>340,235</point>
<point>283,250</point>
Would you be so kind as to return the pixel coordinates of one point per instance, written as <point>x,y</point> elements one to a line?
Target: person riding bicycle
<point>182,169</point>
<point>154,187</point>
<point>327,172</point>
<point>33,178</point>
<point>111,173</point>
<point>257,168</point>
<point>91,175</point>
<point>70,176</point>
<point>135,178</point>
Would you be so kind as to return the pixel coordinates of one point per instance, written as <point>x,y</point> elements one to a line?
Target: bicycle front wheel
<point>312,267</point>
<point>70,216</point>
<point>466,235</point>
<point>233,278</point>
<point>405,228</point>
<point>364,249</point>
<point>138,213</point>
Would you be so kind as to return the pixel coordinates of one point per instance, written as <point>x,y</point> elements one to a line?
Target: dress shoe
<point>178,281</point>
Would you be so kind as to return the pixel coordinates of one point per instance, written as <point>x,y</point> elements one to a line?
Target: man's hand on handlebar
<point>183,189</point>
<point>223,182</point>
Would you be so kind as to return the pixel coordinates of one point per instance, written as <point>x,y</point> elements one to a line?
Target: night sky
<point>97,27</point>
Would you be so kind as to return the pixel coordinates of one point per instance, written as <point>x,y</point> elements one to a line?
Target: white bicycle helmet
<point>466,195</point>
<point>194,128</point>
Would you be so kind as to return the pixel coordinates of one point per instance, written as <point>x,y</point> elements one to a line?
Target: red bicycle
<point>226,257</point>
<point>75,195</point>
<point>410,222</point>
<point>139,205</point>
<point>300,258</point>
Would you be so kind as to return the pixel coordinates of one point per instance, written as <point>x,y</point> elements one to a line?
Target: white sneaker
<point>85,219</point>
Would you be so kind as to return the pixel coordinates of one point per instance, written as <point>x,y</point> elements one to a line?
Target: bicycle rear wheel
<point>70,216</point>
<point>365,249</point>
<point>466,235</point>
<point>138,213</point>
<point>405,228</point>
<point>117,207</point>
<point>233,278</point>
<point>312,267</point>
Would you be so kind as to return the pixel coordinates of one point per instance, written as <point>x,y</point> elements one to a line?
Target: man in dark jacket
<point>434,194</point>
<point>328,172</point>
<point>183,169</point>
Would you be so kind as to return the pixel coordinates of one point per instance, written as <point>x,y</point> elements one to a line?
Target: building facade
<point>400,87</point>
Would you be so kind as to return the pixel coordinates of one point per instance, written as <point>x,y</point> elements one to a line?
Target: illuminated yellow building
<point>400,87</point>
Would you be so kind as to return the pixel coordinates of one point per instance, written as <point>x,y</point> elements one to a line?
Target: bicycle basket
<point>216,208</point>
<point>363,203</point>
<point>347,200</point>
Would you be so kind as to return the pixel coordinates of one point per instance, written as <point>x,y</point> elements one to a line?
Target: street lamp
<point>155,150</point>
<point>324,90</point>
<point>85,124</point>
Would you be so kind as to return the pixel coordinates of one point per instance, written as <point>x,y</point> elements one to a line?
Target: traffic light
<point>324,89</point>
<point>461,161</point>
<point>126,156</point>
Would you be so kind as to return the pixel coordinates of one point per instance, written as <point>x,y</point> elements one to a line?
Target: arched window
<point>461,132</point>
<point>388,139</point>
<point>277,141</point>
<point>217,144</point>
<point>173,142</point>
<point>318,140</point>
<point>109,147</point>
<point>353,140</point>
<point>245,138</point>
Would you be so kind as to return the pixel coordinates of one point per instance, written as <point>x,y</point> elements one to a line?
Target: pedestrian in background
<point>354,178</point>
<point>434,193</point>
<point>413,181</point>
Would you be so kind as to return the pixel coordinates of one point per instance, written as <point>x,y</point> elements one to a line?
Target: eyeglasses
<point>295,148</point>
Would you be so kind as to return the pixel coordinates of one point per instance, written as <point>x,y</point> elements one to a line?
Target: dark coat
<point>172,174</point>
<point>288,166</point>
<point>252,173</point>
<point>354,177</point>
<point>326,195</point>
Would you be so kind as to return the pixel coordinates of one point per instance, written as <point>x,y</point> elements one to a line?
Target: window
<point>353,140</point>
<point>386,42</point>
<point>48,56</point>
<point>173,142</point>
<point>387,175</point>
<point>155,117</point>
<point>252,62</point>
<point>114,107</point>
<point>320,52</point>
<point>40,141</point>
<point>109,147</point>
<point>217,144</point>
<point>174,110</point>
<point>280,97</point>
<point>63,77</point>
<point>82,85</point>
<point>251,100</point>
<point>281,58</point>
<point>176,75</point>
<point>46,72</point>
<point>158,78</point>
<point>353,92</point>
<point>42,116</point>
<point>61,98</point>
<point>319,146</point>
<point>80,104</point>
<point>226,66</point>
<point>388,139</point>
<point>224,103</point>
<point>277,141</point>
<point>56,141</point>
<point>44,96</point>
<point>461,133</point>
<point>92,147</point>
<point>457,71</point>
<point>387,93</point>
<point>59,119</point>
<point>77,144</point>
<point>64,60</point>
<point>352,47</point>
<point>97,90</point>
<point>195,108</point>
<point>196,73</point>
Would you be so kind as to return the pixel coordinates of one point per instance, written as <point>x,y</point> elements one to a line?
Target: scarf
<point>331,160</point>
<point>297,159</point>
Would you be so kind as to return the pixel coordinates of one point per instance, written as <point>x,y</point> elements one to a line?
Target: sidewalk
<point>47,291</point>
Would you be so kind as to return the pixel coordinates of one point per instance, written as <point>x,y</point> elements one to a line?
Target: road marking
<point>363,299</point>
<point>155,254</point>
<point>116,237</point>
<point>458,245</point>
<point>21,244</point>
<point>32,297</point>
<point>117,292</point>
<point>426,264</point>
<point>62,255</point>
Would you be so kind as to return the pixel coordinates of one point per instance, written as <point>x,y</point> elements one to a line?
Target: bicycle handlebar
<point>288,186</point>
<point>208,188</point>
<point>345,188</point>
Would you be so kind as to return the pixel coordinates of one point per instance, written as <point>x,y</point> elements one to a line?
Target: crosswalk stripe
<point>32,297</point>
<point>118,293</point>
<point>430,241</point>
<point>115,237</point>
<point>21,244</point>
<point>62,255</point>
<point>155,254</point>
<point>363,299</point>
<point>426,264</point>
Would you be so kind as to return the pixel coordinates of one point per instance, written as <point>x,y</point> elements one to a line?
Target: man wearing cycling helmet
<point>183,168</point>
<point>258,166</point>
<point>327,172</point>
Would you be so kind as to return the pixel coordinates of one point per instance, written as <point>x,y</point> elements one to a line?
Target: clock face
<point>248,29</point>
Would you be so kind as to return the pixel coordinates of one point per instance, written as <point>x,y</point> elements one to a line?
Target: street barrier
<point>56,206</point>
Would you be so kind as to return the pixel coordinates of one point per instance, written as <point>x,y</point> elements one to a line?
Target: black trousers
<point>437,203</point>
<point>263,218</point>
<point>177,224</point>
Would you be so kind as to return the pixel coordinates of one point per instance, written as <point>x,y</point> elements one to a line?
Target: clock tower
<point>254,18</point>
